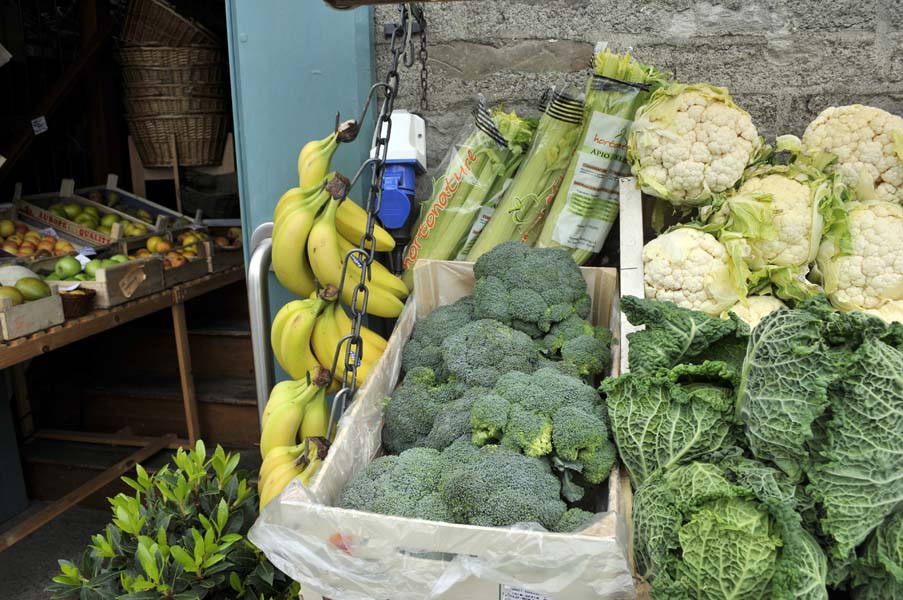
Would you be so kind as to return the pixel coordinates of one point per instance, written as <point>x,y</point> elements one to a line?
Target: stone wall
<point>783,60</point>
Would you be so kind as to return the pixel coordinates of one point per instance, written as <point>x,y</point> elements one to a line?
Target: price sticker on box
<point>49,231</point>
<point>82,259</point>
<point>131,280</point>
<point>39,125</point>
<point>509,593</point>
<point>86,251</point>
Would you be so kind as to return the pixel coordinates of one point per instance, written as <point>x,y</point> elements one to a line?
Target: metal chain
<point>424,73</point>
<point>364,255</point>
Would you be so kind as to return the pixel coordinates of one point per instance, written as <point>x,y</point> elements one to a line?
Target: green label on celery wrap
<point>592,196</point>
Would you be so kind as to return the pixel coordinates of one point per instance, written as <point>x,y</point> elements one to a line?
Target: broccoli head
<point>413,407</point>
<point>452,421</point>
<point>573,519</point>
<point>527,288</point>
<point>405,485</point>
<point>497,487</point>
<point>586,355</point>
<point>424,349</point>
<point>481,351</point>
<point>572,327</point>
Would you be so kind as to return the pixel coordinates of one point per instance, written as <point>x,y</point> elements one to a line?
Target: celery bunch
<point>523,207</point>
<point>618,88</point>
<point>476,170</point>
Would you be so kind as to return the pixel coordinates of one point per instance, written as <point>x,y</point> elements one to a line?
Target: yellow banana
<point>277,481</point>
<point>310,470</point>
<point>326,338</point>
<point>278,457</point>
<point>290,234</point>
<point>372,340</point>
<point>316,417</point>
<point>301,392</point>
<point>293,196</point>
<point>379,274</point>
<point>351,222</point>
<point>276,329</point>
<point>326,260</point>
<point>314,159</point>
<point>297,358</point>
<point>282,427</point>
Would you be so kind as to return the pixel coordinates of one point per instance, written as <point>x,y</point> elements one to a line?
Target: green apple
<point>109,219</point>
<point>108,262</point>
<point>86,220</point>
<point>112,199</point>
<point>92,266</point>
<point>72,210</point>
<point>66,267</point>
<point>91,210</point>
<point>105,229</point>
<point>80,277</point>
<point>52,277</point>
<point>144,216</point>
<point>58,211</point>
<point>119,258</point>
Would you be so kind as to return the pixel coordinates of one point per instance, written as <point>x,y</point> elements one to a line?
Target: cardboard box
<point>345,554</point>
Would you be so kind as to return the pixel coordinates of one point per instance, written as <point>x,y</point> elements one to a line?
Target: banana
<point>326,338</point>
<point>277,480</point>
<point>297,358</point>
<point>282,427</point>
<point>290,232</point>
<point>300,392</point>
<point>326,260</point>
<point>314,159</point>
<point>380,275</point>
<point>351,222</point>
<point>316,417</point>
<point>310,470</point>
<point>372,340</point>
<point>293,196</point>
<point>276,329</point>
<point>278,457</point>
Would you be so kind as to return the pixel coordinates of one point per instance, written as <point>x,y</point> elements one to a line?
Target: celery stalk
<point>523,207</point>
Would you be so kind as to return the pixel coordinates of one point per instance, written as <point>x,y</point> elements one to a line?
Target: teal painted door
<point>294,63</point>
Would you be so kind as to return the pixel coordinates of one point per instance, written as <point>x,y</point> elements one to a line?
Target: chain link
<point>364,255</point>
<point>424,73</point>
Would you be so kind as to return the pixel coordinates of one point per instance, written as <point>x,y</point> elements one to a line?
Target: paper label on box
<point>86,251</point>
<point>39,125</point>
<point>509,593</point>
<point>592,197</point>
<point>131,280</point>
<point>49,231</point>
<point>81,258</point>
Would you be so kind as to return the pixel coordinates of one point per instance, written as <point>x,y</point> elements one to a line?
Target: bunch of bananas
<point>296,410</point>
<point>314,226</point>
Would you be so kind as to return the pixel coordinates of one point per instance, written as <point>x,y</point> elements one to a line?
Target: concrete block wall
<point>783,60</point>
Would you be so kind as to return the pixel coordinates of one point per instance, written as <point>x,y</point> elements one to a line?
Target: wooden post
<point>23,406</point>
<point>183,355</point>
<point>174,156</point>
<point>103,129</point>
<point>91,486</point>
<point>137,169</point>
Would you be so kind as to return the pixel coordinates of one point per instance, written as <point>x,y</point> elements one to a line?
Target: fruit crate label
<point>86,251</point>
<point>509,593</point>
<point>49,231</point>
<point>39,125</point>
<point>81,258</point>
<point>131,280</point>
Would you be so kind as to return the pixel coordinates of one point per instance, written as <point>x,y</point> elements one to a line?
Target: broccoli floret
<point>597,463</point>
<point>573,520</point>
<point>413,407</point>
<point>424,349</point>
<point>576,429</point>
<point>528,288</point>
<point>488,417</point>
<point>405,485</point>
<point>586,355</point>
<point>568,329</point>
<point>481,351</point>
<point>497,487</point>
<point>529,431</point>
<point>452,421</point>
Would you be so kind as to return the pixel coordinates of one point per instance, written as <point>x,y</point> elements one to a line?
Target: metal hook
<point>408,42</point>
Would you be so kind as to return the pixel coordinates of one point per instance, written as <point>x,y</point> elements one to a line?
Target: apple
<point>16,238</point>
<point>222,242</point>
<point>234,232</point>
<point>26,250</point>
<point>33,235</point>
<point>163,246</point>
<point>91,210</point>
<point>119,258</point>
<point>72,210</point>
<point>109,219</point>
<point>144,215</point>
<point>152,242</point>
<point>189,253</point>
<point>105,229</point>
<point>86,220</point>
<point>143,253</point>
<point>112,199</point>
<point>49,238</point>
<point>28,244</point>
<point>177,261</point>
<point>7,227</point>
<point>67,267</point>
<point>10,248</point>
<point>45,245</point>
<point>57,245</point>
<point>134,229</point>
<point>236,243</point>
<point>92,266</point>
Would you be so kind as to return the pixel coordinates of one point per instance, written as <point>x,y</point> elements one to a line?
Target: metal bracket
<point>259,312</point>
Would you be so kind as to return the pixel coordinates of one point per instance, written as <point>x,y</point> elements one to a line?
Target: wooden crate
<point>363,554</point>
<point>115,285</point>
<point>194,268</point>
<point>164,218</point>
<point>219,258</point>
<point>30,317</point>
<point>37,207</point>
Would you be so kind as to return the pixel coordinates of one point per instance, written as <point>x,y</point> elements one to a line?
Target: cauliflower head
<point>756,308</point>
<point>866,142</point>
<point>691,268</point>
<point>690,142</point>
<point>869,274</point>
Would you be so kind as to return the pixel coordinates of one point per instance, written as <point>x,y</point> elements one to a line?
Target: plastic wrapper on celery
<point>492,147</point>
<point>523,207</point>
<point>586,205</point>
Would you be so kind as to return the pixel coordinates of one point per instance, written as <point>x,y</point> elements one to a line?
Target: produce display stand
<point>16,351</point>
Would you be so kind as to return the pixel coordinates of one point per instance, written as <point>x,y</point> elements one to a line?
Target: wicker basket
<point>169,56</point>
<point>156,22</point>
<point>200,138</point>
<point>173,105</point>
<point>171,90</point>
<point>77,304</point>
<point>207,74</point>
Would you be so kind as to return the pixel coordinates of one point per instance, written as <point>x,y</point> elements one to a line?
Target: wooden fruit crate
<point>37,207</point>
<point>219,258</point>
<point>115,285</point>
<point>30,317</point>
<point>164,218</point>
<point>194,268</point>
<point>8,211</point>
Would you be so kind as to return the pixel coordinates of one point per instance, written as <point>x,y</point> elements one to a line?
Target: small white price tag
<point>82,259</point>
<point>510,593</point>
<point>86,251</point>
<point>49,231</point>
<point>39,125</point>
<point>195,227</point>
<point>69,288</point>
